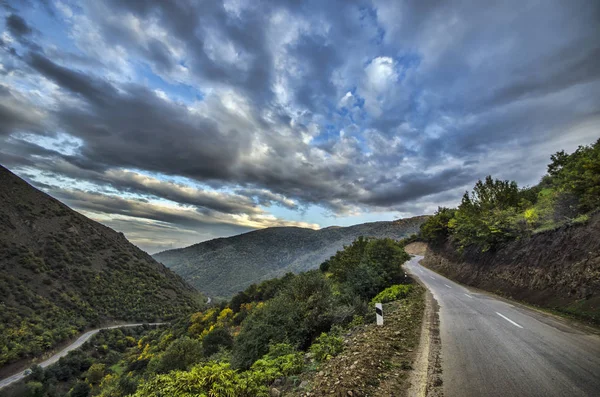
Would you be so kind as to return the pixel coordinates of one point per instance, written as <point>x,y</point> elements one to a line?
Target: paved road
<point>80,341</point>
<point>491,347</point>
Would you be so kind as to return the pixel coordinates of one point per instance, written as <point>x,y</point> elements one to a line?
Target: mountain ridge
<point>223,266</point>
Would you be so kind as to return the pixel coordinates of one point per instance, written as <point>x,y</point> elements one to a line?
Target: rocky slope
<point>61,272</point>
<point>558,269</point>
<point>224,266</point>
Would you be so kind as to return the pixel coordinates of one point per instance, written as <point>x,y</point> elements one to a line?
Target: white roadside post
<point>379,313</point>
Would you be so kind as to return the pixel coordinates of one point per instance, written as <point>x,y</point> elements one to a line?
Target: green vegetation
<point>393,293</point>
<point>273,330</point>
<point>61,273</point>
<point>498,211</point>
<point>326,346</point>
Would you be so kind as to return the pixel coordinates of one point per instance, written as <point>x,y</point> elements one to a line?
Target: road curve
<point>80,341</point>
<point>491,347</point>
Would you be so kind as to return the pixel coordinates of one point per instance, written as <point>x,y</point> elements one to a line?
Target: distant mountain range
<point>224,266</point>
<point>61,272</point>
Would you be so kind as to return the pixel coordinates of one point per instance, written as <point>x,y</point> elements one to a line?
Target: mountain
<point>61,272</point>
<point>224,266</point>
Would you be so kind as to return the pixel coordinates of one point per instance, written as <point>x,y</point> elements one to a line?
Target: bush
<point>326,346</point>
<point>180,354</point>
<point>435,229</point>
<point>579,174</point>
<point>393,293</point>
<point>81,389</point>
<point>212,379</point>
<point>282,360</point>
<point>295,316</point>
<point>218,337</point>
<point>95,373</point>
<point>34,389</point>
<point>367,266</point>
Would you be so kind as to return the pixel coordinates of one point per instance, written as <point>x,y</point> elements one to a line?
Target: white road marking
<point>431,277</point>
<point>469,296</point>
<point>509,320</point>
<point>447,286</point>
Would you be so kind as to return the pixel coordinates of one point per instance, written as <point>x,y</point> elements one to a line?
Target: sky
<point>176,122</point>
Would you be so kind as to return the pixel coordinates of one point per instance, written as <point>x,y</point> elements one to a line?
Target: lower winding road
<point>492,347</point>
<point>80,341</point>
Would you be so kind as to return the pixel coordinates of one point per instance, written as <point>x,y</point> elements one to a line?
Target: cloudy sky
<point>180,121</point>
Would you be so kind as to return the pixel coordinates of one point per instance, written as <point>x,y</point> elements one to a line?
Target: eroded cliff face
<point>558,269</point>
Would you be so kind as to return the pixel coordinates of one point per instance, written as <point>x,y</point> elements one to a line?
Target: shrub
<point>435,229</point>
<point>218,337</point>
<point>367,266</point>
<point>95,373</point>
<point>296,315</point>
<point>393,293</point>
<point>180,354</point>
<point>212,379</point>
<point>34,389</point>
<point>81,389</point>
<point>282,360</point>
<point>327,346</point>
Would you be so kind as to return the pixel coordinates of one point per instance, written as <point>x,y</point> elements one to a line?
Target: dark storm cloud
<point>412,187</point>
<point>17,26</point>
<point>15,113</point>
<point>441,93</point>
<point>134,128</point>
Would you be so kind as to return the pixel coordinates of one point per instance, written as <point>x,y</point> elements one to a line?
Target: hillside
<point>557,269</point>
<point>61,272</point>
<point>224,266</point>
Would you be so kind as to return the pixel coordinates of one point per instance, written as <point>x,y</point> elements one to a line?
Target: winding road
<point>80,341</point>
<point>492,347</point>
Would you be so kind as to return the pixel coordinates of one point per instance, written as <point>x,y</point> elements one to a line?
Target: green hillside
<point>61,272</point>
<point>224,266</point>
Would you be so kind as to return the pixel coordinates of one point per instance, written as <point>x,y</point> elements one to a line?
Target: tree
<point>578,173</point>
<point>218,337</point>
<point>34,389</point>
<point>485,218</point>
<point>296,315</point>
<point>180,354</point>
<point>95,373</point>
<point>81,389</point>
<point>435,229</point>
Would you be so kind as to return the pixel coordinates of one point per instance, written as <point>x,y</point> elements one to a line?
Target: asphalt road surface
<point>80,341</point>
<point>492,347</point>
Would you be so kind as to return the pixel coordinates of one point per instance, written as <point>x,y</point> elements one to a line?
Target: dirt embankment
<point>377,360</point>
<point>558,269</point>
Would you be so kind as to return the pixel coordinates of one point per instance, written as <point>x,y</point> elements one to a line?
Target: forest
<point>498,211</point>
<point>271,331</point>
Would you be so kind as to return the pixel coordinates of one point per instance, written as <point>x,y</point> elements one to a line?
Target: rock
<point>304,383</point>
<point>277,382</point>
<point>275,393</point>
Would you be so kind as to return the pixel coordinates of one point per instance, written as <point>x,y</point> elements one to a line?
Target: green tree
<point>435,229</point>
<point>180,354</point>
<point>486,217</point>
<point>34,389</point>
<point>218,337</point>
<point>81,389</point>
<point>95,373</point>
<point>296,315</point>
<point>579,174</point>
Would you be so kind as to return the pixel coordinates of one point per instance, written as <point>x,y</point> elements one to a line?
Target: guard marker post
<point>379,312</point>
